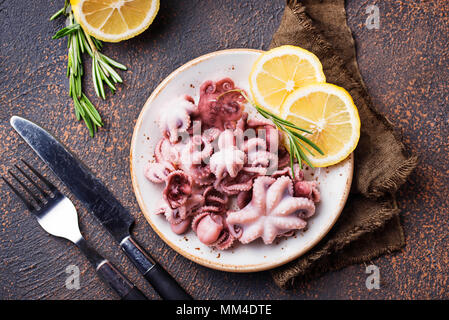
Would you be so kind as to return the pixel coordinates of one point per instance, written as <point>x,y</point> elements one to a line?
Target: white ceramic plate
<point>334,182</point>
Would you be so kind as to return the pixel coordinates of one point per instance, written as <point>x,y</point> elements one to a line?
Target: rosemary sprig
<point>79,42</point>
<point>295,139</point>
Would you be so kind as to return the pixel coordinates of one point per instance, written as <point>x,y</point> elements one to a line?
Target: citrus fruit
<point>328,111</point>
<point>278,72</point>
<point>114,20</point>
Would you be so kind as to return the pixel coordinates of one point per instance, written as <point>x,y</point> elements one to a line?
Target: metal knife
<point>100,201</point>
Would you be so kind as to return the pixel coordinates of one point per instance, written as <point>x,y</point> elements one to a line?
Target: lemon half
<point>114,20</point>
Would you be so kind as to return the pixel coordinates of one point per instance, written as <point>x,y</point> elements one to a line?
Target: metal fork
<point>57,215</point>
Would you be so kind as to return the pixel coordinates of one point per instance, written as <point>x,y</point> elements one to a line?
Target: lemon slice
<point>114,20</point>
<point>280,71</point>
<point>329,112</point>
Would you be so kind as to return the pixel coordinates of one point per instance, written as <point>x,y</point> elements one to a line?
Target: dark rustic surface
<point>405,65</point>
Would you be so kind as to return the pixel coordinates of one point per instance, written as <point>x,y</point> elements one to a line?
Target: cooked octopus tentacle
<point>229,159</point>
<point>158,172</point>
<point>272,212</point>
<point>177,118</point>
<point>217,110</point>
<point>178,188</point>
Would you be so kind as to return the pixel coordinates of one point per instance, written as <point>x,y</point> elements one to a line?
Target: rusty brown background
<point>405,65</point>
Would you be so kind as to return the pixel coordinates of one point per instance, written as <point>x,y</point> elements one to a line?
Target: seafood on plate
<point>226,175</point>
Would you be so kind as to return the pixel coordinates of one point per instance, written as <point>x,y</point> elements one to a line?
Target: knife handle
<point>110,274</point>
<point>124,288</point>
<point>161,280</point>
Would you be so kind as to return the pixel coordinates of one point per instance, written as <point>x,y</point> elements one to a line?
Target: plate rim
<point>196,259</point>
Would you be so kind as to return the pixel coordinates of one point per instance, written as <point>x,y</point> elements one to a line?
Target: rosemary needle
<point>79,42</point>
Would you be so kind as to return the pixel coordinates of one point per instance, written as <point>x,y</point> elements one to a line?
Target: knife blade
<point>100,201</point>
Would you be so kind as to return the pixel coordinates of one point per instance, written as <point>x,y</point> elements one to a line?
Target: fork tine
<point>45,194</point>
<point>18,194</point>
<point>39,201</point>
<point>48,183</point>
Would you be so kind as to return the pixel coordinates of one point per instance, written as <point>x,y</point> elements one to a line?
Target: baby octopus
<point>178,119</point>
<point>229,159</point>
<point>272,212</point>
<point>218,110</point>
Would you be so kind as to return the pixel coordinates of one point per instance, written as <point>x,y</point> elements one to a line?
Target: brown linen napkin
<point>369,225</point>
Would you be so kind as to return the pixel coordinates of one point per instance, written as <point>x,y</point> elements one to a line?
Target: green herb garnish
<point>102,68</point>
